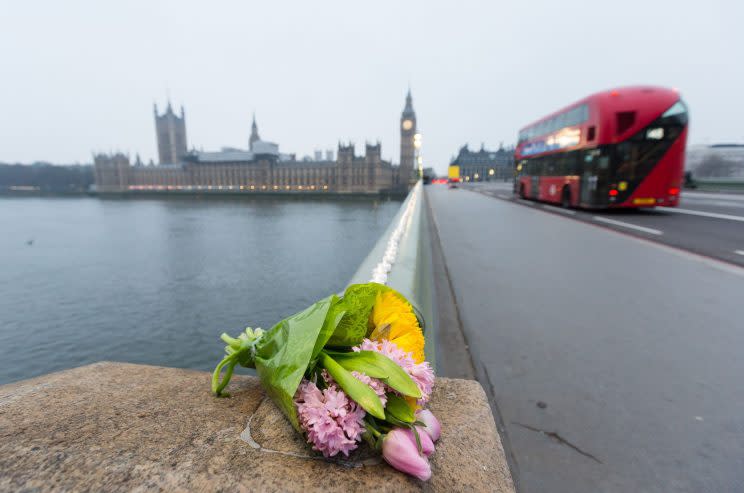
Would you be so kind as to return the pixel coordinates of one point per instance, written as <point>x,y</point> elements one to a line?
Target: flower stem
<point>372,430</point>
<point>217,385</point>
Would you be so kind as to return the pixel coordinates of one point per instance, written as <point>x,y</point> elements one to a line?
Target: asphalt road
<point>705,223</point>
<point>614,363</point>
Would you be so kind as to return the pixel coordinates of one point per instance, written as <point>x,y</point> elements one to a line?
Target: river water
<point>158,280</point>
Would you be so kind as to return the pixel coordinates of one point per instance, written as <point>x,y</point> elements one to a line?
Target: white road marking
<point>738,197</point>
<point>627,225</point>
<point>703,213</point>
<point>740,252</point>
<point>716,203</point>
<point>558,209</point>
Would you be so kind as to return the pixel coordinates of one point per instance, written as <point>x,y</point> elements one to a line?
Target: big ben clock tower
<point>407,149</point>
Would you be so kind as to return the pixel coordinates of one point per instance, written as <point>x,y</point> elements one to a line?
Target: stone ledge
<point>122,427</point>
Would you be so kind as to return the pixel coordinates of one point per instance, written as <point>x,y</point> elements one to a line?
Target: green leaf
<point>361,393</point>
<point>398,408</point>
<point>359,361</point>
<point>357,302</point>
<point>379,366</point>
<point>418,440</point>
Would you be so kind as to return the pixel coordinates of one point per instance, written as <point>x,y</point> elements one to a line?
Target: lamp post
<point>419,158</point>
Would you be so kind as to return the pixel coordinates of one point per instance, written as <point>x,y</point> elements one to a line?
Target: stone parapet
<point>124,427</point>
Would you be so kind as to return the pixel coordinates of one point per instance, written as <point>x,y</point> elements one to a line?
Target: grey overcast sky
<point>82,76</point>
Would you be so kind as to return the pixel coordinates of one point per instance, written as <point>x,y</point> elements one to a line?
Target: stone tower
<point>171,133</point>
<point>345,167</point>
<point>254,134</point>
<point>407,149</point>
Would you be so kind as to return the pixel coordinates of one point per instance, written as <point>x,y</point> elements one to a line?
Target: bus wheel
<point>566,198</point>
<point>521,191</point>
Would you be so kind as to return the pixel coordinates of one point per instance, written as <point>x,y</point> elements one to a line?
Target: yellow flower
<point>393,319</point>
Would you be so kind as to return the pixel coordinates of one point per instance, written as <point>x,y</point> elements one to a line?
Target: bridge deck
<point>614,362</point>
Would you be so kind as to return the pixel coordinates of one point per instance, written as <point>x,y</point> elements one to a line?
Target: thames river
<point>157,281</point>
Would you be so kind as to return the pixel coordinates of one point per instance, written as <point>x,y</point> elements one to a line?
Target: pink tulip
<point>432,426</point>
<point>400,451</point>
<point>427,445</point>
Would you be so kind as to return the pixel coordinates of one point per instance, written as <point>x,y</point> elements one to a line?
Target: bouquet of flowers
<point>346,369</point>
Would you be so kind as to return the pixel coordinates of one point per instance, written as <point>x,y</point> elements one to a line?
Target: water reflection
<point>155,281</point>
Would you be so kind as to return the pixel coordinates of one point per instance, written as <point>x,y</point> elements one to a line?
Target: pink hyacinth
<point>333,422</point>
<point>421,373</point>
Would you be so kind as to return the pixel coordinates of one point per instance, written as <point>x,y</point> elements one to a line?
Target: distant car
<point>452,182</point>
<point>689,181</point>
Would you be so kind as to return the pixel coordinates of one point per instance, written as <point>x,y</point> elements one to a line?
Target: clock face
<point>407,124</point>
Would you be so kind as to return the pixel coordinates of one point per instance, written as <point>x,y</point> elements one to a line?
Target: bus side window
<point>572,163</point>
<point>561,165</point>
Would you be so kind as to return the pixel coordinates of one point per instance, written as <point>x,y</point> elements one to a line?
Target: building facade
<point>171,135</point>
<point>261,168</point>
<point>484,165</point>
<point>245,171</point>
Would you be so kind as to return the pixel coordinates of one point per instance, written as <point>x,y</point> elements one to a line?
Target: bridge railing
<point>402,259</point>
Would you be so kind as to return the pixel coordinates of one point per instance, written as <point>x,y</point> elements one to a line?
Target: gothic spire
<point>408,110</point>
<point>254,133</point>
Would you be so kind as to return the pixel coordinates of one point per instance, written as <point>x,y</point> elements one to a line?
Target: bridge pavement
<point>614,363</point>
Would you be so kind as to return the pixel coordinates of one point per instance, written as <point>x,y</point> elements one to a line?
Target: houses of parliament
<point>260,168</point>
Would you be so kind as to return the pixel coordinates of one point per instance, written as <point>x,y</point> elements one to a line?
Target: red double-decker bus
<point>619,148</point>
